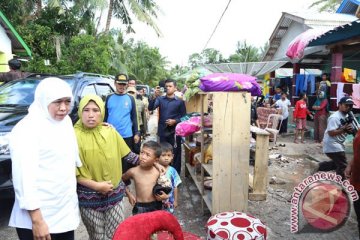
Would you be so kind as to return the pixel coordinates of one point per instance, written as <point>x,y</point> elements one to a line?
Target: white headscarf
<point>44,155</point>
<point>48,90</point>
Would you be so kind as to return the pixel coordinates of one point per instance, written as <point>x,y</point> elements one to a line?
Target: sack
<point>188,127</point>
<point>230,82</point>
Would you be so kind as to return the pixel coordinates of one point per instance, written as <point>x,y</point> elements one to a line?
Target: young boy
<point>300,114</point>
<point>145,176</point>
<point>165,160</point>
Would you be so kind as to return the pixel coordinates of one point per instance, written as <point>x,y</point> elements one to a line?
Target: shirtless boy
<point>145,176</point>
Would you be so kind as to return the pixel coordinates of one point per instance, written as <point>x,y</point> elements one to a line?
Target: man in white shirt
<point>283,103</point>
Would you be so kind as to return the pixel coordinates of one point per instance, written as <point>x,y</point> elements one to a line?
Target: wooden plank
<point>251,181</point>
<point>257,196</point>
<point>261,164</point>
<point>191,170</point>
<point>231,138</point>
<point>194,103</point>
<point>240,154</point>
<point>219,154</point>
<point>208,168</point>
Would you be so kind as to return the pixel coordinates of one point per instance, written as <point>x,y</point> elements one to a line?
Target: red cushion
<point>141,226</point>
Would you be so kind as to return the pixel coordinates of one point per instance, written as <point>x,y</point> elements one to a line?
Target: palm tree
<point>245,53</point>
<point>326,5</point>
<point>143,10</point>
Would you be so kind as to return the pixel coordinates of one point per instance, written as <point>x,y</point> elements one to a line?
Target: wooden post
<point>261,167</point>
<point>336,74</point>
<point>231,138</point>
<point>296,70</point>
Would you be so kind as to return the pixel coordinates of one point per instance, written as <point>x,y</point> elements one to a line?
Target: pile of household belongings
<point>215,82</point>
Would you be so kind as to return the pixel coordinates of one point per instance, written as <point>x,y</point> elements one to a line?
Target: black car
<point>16,97</point>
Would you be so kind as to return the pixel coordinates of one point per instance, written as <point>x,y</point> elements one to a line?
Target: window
<point>103,90</point>
<point>89,89</point>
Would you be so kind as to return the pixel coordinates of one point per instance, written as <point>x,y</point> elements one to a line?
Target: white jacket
<point>44,154</point>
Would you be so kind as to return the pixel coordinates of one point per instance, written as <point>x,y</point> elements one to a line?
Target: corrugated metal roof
<point>250,68</point>
<point>18,45</point>
<point>309,20</point>
<point>348,6</point>
<point>338,34</point>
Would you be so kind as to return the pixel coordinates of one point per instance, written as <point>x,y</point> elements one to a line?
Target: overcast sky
<point>187,25</point>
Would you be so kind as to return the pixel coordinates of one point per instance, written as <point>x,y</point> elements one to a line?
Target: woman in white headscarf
<point>44,155</point>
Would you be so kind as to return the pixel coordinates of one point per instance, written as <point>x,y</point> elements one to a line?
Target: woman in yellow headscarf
<point>100,189</point>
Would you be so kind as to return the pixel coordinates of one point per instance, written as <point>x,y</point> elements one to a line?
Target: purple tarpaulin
<point>230,82</point>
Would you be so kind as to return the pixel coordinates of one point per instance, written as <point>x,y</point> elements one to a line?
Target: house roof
<point>348,6</point>
<point>308,20</point>
<point>19,47</point>
<point>338,34</point>
<point>250,68</point>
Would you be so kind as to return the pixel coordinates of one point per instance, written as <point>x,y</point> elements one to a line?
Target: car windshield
<point>21,92</point>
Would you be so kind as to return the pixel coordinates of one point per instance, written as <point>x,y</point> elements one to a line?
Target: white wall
<point>294,30</point>
<point>5,43</point>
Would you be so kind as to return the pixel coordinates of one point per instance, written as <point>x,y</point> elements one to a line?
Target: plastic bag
<point>188,127</point>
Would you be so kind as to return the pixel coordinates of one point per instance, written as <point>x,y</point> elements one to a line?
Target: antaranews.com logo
<point>321,202</point>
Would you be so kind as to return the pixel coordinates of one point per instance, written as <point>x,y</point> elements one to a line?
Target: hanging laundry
<point>311,86</point>
<point>299,83</point>
<point>356,95</point>
<point>349,75</point>
<point>339,92</point>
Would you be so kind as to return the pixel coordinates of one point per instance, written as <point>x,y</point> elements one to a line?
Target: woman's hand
<point>105,187</point>
<point>107,124</point>
<point>161,196</point>
<point>39,226</point>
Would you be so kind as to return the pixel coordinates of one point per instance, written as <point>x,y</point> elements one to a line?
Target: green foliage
<point>245,53</point>
<point>64,33</point>
<point>326,5</point>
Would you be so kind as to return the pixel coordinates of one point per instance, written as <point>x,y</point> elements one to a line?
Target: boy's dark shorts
<point>146,207</point>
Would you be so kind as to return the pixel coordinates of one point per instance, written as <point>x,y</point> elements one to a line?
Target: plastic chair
<point>274,124</point>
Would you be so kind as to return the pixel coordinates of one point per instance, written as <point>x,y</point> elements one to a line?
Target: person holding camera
<point>339,125</point>
<point>171,109</point>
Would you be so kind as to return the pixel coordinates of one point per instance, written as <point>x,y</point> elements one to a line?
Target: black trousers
<point>177,150</point>
<point>283,127</point>
<point>27,234</point>
<point>338,162</point>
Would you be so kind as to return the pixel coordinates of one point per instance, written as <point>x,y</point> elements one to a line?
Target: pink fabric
<point>296,47</point>
<point>188,127</point>
<point>356,95</point>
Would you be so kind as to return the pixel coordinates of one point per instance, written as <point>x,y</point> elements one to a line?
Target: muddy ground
<point>285,172</point>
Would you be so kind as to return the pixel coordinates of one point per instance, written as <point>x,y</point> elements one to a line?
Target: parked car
<point>16,97</point>
<point>140,86</point>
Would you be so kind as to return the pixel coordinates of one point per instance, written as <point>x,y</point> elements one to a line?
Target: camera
<point>350,119</point>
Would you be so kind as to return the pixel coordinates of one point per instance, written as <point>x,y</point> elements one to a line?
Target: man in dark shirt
<point>171,109</point>
<point>14,73</point>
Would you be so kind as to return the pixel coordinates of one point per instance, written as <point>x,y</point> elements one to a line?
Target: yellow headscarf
<point>101,148</point>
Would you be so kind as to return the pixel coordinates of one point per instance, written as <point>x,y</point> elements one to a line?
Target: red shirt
<point>301,109</point>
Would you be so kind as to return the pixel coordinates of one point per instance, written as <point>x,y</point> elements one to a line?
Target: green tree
<point>245,53</point>
<point>143,10</point>
<point>144,63</point>
<point>326,5</point>
<point>211,55</point>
